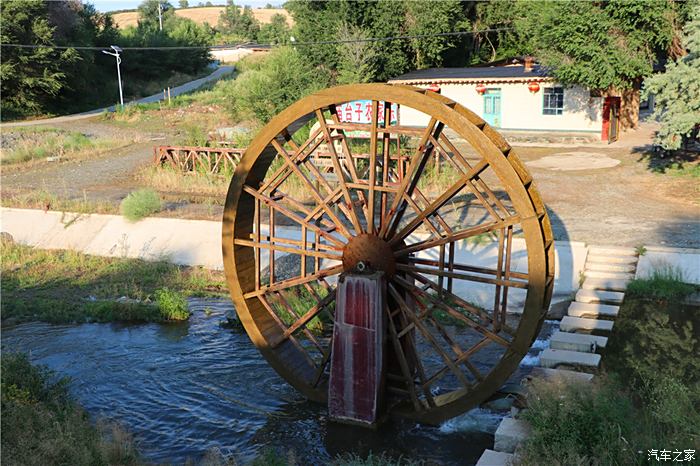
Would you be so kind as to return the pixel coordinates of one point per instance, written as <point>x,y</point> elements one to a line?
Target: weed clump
<point>140,204</point>
<point>666,283</point>
<point>171,304</point>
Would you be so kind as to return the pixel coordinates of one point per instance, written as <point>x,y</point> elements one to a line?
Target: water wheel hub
<point>368,252</point>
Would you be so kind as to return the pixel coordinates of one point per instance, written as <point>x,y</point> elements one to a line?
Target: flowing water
<point>183,389</point>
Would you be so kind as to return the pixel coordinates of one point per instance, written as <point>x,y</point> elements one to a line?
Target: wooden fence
<point>198,159</point>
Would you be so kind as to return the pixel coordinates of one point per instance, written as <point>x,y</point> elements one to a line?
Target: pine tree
<point>677,91</point>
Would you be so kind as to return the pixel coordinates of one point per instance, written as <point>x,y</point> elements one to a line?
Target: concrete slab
<point>611,284</point>
<point>554,357</point>
<point>574,324</point>
<point>571,161</point>
<point>606,267</point>
<point>547,373</point>
<point>611,251</point>
<point>580,342</point>
<point>593,310</point>
<point>613,275</point>
<point>683,261</point>
<point>599,296</point>
<point>510,433</point>
<point>495,458</point>
<point>608,259</point>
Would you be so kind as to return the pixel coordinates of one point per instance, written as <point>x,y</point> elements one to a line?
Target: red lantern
<point>533,87</point>
<point>481,89</point>
<point>434,88</point>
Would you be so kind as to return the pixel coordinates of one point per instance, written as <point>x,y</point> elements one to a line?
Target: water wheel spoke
<point>271,311</point>
<point>274,247</point>
<point>339,171</point>
<point>452,312</point>
<point>457,236</point>
<point>372,166</point>
<point>439,202</point>
<point>284,284</point>
<point>403,365</point>
<point>411,316</point>
<point>314,192</point>
<point>408,184</point>
<point>461,276</point>
<point>292,216</point>
<point>303,320</point>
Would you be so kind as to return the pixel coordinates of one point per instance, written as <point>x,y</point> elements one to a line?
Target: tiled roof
<point>474,73</point>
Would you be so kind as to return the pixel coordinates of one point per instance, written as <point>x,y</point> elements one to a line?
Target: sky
<point>111,5</point>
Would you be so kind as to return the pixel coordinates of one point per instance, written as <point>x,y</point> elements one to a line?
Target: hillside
<point>201,15</point>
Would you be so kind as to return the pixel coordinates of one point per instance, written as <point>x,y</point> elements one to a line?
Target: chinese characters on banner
<point>360,111</point>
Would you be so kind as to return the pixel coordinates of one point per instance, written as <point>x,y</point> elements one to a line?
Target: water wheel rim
<point>237,223</point>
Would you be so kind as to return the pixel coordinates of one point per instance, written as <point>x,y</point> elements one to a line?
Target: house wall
<point>522,110</point>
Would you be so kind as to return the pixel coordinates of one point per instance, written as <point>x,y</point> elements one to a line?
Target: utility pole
<point>115,54</point>
<point>160,15</point>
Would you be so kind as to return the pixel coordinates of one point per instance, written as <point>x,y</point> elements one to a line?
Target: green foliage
<point>42,425</point>
<point>357,59</point>
<point>140,204</point>
<point>271,85</point>
<point>30,77</point>
<point>241,22</point>
<point>148,14</point>
<point>172,304</point>
<point>665,283</point>
<point>383,59</point>
<point>66,286</point>
<point>600,45</point>
<point>677,91</point>
<point>276,32</point>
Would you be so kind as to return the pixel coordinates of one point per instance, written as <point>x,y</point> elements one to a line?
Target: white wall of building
<point>521,109</point>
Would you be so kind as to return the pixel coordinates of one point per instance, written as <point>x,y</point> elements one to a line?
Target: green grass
<point>67,286</point>
<point>140,204</point>
<point>647,396</point>
<point>39,143</point>
<point>664,283</point>
<point>42,199</point>
<point>41,425</point>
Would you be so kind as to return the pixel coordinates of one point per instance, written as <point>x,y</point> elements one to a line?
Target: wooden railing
<point>198,159</point>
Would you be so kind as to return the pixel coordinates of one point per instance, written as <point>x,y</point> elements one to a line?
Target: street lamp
<point>115,54</point>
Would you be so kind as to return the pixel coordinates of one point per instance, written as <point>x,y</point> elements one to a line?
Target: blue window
<point>553,103</point>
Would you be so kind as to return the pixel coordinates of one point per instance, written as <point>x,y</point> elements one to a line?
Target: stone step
<point>593,310</point>
<point>611,251</point>
<point>601,267</point>
<point>599,296</point>
<point>546,373</point>
<point>554,357</point>
<point>611,284</point>
<point>607,259</point>
<point>495,458</point>
<point>510,433</point>
<point>613,275</point>
<point>580,342</point>
<point>575,324</point>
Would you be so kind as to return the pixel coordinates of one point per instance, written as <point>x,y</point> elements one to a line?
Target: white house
<point>519,96</point>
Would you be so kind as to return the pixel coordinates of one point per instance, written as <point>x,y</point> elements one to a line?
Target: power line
<point>295,44</point>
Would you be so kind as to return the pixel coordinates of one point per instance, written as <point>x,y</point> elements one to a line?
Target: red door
<point>611,112</point>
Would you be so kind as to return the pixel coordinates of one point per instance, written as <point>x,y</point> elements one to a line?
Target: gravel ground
<point>625,205</point>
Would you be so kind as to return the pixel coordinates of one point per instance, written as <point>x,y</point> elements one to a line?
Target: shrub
<point>268,86</point>
<point>172,304</point>
<point>140,204</point>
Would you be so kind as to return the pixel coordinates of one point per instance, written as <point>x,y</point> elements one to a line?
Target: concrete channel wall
<point>198,243</point>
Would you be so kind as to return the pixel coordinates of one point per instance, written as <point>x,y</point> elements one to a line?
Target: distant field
<point>200,15</point>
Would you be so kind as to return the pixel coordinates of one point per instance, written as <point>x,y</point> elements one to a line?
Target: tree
<point>357,59</point>
<point>276,31</point>
<point>31,77</point>
<point>148,14</point>
<point>184,4</point>
<point>677,91</point>
<point>607,46</point>
<point>233,20</point>
<point>430,18</point>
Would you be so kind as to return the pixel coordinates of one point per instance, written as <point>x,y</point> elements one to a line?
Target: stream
<point>186,388</point>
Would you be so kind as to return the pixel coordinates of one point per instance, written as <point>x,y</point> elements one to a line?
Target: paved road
<point>187,87</point>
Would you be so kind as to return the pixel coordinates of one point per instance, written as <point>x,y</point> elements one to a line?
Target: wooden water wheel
<point>442,207</point>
